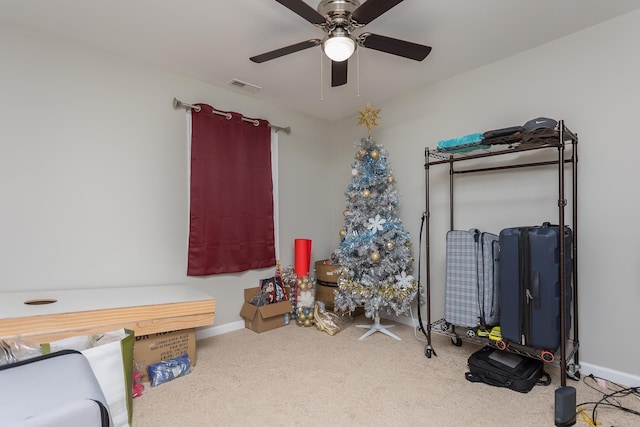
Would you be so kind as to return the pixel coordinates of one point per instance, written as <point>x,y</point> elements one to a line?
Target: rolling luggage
<point>57,389</point>
<point>471,287</point>
<point>530,285</point>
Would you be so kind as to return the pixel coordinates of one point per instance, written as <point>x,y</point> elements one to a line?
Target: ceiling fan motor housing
<point>338,11</point>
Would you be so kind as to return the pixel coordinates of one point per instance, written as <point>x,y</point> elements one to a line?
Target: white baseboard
<point>212,331</point>
<point>405,320</point>
<point>618,377</point>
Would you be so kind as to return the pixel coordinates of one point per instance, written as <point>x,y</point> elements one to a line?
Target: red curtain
<point>231,219</point>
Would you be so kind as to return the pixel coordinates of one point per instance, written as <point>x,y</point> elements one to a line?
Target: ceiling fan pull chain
<point>321,78</point>
<point>358,70</point>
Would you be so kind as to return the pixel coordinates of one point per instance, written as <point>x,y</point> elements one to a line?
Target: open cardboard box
<point>267,317</point>
<point>154,348</point>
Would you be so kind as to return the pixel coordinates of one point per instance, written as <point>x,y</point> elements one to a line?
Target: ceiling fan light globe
<point>339,48</point>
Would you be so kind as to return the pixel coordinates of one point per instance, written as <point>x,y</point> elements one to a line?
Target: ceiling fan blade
<point>393,46</point>
<point>304,10</point>
<point>371,9</point>
<point>285,51</point>
<point>338,73</point>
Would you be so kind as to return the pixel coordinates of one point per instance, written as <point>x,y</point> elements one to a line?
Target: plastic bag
<point>138,387</point>
<point>168,370</point>
<point>331,323</point>
<point>16,349</point>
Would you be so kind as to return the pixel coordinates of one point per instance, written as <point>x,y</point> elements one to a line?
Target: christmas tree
<point>375,250</point>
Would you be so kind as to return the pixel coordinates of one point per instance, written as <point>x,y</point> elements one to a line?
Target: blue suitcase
<point>529,273</point>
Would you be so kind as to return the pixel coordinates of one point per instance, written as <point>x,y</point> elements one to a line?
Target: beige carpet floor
<point>296,376</point>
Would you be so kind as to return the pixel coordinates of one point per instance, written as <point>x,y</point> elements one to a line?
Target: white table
<point>143,309</point>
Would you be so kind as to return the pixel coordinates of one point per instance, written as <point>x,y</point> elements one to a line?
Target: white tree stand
<point>377,327</point>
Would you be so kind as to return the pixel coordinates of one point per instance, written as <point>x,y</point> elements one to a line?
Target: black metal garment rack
<point>561,140</point>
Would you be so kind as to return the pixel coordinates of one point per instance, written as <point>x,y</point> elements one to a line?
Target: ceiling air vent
<point>239,84</point>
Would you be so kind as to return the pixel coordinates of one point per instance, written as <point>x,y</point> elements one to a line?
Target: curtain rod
<point>179,104</point>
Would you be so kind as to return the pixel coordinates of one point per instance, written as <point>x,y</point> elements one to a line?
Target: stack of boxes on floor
<point>327,275</point>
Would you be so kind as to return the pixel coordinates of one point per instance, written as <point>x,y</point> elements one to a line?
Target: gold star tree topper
<point>369,117</point>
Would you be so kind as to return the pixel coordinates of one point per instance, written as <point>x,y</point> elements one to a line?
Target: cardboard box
<point>324,293</point>
<point>328,273</point>
<point>267,317</point>
<point>154,348</point>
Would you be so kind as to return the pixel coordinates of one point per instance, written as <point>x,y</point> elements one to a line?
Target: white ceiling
<point>212,40</point>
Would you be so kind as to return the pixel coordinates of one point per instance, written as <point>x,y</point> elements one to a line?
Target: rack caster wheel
<point>501,345</point>
<point>574,375</point>
<point>456,341</point>
<point>471,333</point>
<point>547,356</point>
<point>428,351</point>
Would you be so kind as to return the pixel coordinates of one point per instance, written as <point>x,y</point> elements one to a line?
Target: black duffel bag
<point>504,369</point>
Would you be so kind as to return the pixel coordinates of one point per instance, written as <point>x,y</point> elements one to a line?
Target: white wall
<point>93,172</point>
<point>589,79</point>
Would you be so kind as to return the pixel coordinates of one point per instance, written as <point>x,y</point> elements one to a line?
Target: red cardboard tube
<point>302,257</point>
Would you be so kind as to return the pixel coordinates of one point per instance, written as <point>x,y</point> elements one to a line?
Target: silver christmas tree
<point>375,251</point>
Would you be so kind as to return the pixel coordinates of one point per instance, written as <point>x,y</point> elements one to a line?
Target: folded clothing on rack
<point>508,135</point>
<point>462,144</point>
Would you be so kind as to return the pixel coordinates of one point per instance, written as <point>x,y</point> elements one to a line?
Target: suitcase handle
<point>536,290</point>
<point>487,380</point>
<point>545,379</point>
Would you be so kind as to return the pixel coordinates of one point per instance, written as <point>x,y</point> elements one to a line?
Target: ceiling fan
<point>339,19</point>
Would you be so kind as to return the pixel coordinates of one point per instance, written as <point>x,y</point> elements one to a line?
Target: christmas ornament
<point>376,224</point>
<point>390,179</point>
<point>369,117</point>
<point>366,193</point>
<point>345,212</point>
<point>389,245</point>
<point>354,171</point>
<point>342,233</point>
<point>404,281</point>
<point>375,256</point>
<point>374,154</point>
